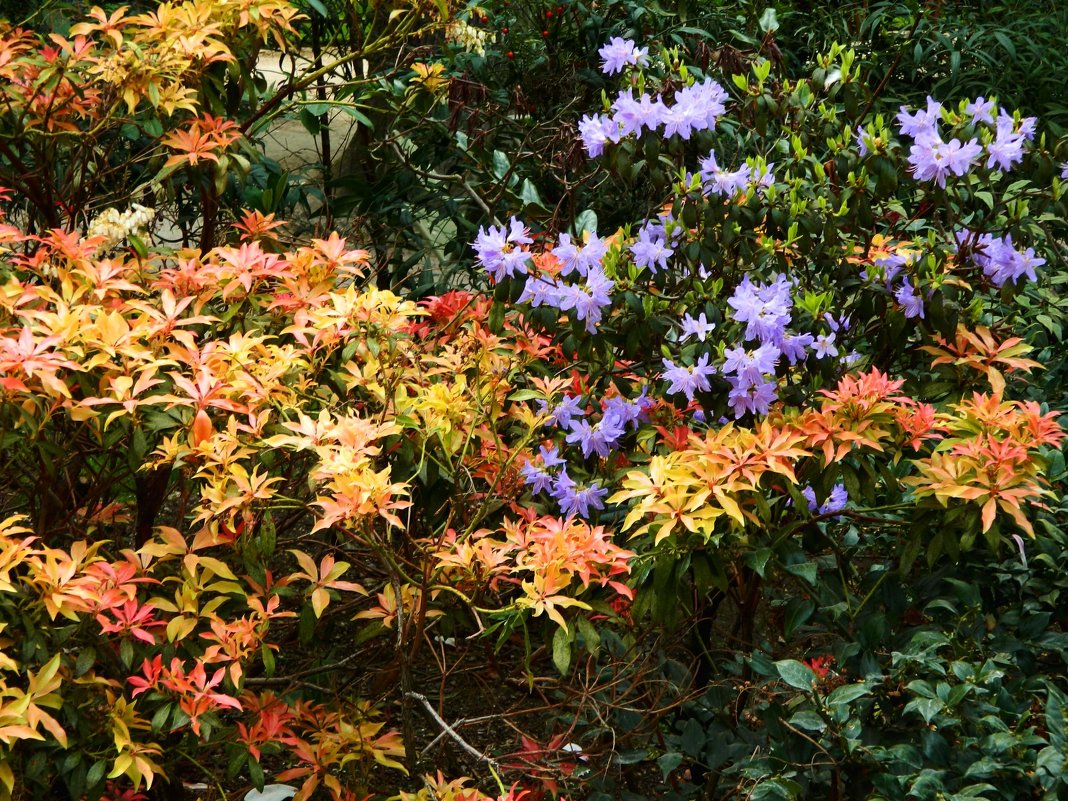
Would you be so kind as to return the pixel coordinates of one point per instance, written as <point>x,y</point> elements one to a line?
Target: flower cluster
<point>599,438</point>
<point>932,158</point>
<point>468,37</point>
<point>113,226</point>
<point>728,183</point>
<point>999,260</point>
<point>500,252</point>
<point>619,53</point>
<point>696,107</point>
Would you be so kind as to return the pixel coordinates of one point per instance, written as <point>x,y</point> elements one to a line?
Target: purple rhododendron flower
<point>762,177</point>
<point>836,500</point>
<point>629,412</point>
<point>752,397</point>
<point>634,115</point>
<point>764,308</point>
<point>825,346</point>
<point>697,108</point>
<point>999,259</point>
<point>932,159</point>
<point>795,346</point>
<point>723,182</point>
<point>600,438</point>
<point>751,367</point>
<point>688,380</point>
<point>619,52</point>
<point>579,258</point>
<point>574,500</point>
<point>923,122</point>
<point>909,299</point>
<point>596,132</point>
<point>570,407</point>
<point>589,299</point>
<point>1005,151</point>
<point>981,110</point>
<point>651,250</point>
<point>499,252</point>
<point>865,142</point>
<point>699,328</point>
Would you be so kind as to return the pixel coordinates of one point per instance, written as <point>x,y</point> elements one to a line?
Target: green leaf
<point>769,20</point>
<point>758,560</point>
<point>805,570</point>
<point>693,738</point>
<point>562,651</point>
<point>796,674</point>
<point>590,638</point>
<point>809,720</point>
<point>798,611</point>
<point>669,762</point>
<point>847,693</point>
<point>126,653</point>
<point>86,659</point>
<point>96,774</point>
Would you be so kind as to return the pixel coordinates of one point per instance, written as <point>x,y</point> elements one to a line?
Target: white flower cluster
<point>470,38</point>
<point>115,226</point>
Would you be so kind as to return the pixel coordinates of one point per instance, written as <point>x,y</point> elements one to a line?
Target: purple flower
<point>922,122</point>
<point>723,182</point>
<point>697,108</point>
<point>1064,171</point>
<point>596,131</point>
<point>836,501</point>
<point>751,367</point>
<point>629,412</point>
<point>762,176</point>
<point>1007,123</point>
<point>572,499</point>
<point>688,380</point>
<point>981,110</point>
<point>932,159</point>
<point>999,259</point>
<point>599,438</point>
<point>1006,150</point>
<point>537,479</point>
<point>588,299</point>
<point>651,250</point>
<point>619,52</point>
<point>498,251</point>
<point>633,115</point>
<point>699,328</point>
<point>865,142</point>
<point>909,299</point>
<point>753,397</point>
<point>794,346</point>
<point>580,259</point>
<point>824,346</point>
<point>569,408</point>
<point>765,308</point>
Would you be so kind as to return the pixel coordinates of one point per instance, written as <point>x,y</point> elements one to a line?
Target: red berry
<point>559,9</point>
<point>511,54</point>
<point>504,31</point>
<point>485,20</point>
<point>549,14</point>
<point>544,33</point>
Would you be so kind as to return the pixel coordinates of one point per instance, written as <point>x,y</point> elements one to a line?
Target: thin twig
<point>447,729</point>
